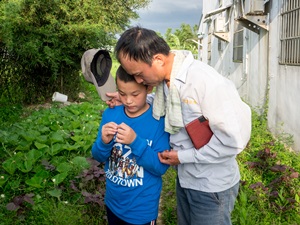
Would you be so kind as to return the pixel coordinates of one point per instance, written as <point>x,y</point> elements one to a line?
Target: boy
<point>129,140</point>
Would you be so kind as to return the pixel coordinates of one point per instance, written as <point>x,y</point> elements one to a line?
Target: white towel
<point>171,107</point>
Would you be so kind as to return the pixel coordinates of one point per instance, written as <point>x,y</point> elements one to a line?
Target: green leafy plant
<point>44,152</point>
<point>47,174</point>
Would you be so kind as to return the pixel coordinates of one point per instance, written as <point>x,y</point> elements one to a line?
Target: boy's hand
<point>115,99</point>
<point>125,134</point>
<point>108,132</point>
<point>169,157</point>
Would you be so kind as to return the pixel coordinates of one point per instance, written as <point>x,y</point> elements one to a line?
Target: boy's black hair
<point>122,75</point>
<point>141,44</point>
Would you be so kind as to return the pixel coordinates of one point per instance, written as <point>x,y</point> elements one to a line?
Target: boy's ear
<point>149,89</point>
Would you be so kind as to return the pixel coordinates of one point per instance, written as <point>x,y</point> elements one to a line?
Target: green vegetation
<point>184,38</point>
<point>41,43</point>
<point>47,175</point>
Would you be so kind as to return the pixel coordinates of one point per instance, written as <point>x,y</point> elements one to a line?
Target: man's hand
<point>115,99</point>
<point>169,157</point>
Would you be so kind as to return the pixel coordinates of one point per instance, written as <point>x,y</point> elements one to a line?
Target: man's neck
<point>169,64</point>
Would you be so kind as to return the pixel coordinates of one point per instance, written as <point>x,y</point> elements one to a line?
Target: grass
<point>269,193</point>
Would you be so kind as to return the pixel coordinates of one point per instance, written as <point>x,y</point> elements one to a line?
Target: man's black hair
<point>141,44</point>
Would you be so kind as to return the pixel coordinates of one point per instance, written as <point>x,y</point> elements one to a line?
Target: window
<point>210,31</point>
<point>238,40</point>
<point>290,33</point>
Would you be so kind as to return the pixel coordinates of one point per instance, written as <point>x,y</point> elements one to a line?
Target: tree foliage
<point>41,42</point>
<point>183,38</point>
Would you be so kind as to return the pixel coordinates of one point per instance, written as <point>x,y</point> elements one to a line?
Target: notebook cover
<point>199,132</point>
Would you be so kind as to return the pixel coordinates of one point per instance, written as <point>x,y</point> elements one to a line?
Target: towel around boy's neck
<point>171,107</point>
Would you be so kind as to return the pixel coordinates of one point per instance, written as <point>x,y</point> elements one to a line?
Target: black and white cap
<point>96,65</point>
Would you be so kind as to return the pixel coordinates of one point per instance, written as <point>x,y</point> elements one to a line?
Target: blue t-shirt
<point>133,172</point>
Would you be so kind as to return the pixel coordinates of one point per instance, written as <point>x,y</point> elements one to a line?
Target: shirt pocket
<point>190,110</point>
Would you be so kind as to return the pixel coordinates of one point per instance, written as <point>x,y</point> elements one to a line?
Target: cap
<point>96,65</point>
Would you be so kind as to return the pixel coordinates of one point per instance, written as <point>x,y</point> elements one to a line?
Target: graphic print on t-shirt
<point>123,169</point>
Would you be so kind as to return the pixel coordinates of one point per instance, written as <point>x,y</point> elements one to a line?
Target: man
<point>186,89</point>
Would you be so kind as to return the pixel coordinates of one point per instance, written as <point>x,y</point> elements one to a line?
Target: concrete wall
<point>284,93</point>
<point>260,79</point>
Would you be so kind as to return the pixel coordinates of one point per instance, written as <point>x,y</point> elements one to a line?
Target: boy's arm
<point>147,156</point>
<point>100,150</point>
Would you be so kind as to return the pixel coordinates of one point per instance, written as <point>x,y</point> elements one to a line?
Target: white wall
<point>284,107</point>
<point>260,79</point>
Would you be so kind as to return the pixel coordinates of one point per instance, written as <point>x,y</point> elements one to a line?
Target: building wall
<point>284,107</point>
<point>260,79</point>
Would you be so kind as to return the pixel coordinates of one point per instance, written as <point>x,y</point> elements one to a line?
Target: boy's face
<point>133,96</point>
<point>142,72</point>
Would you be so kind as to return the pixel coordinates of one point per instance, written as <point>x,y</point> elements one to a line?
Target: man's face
<point>142,72</point>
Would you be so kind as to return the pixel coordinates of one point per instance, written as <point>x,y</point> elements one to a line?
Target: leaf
<point>55,193</point>
<point>44,129</point>
<point>36,182</point>
<point>40,145</point>
<point>47,165</point>
<point>3,179</point>
<point>278,168</point>
<point>64,167</point>
<point>43,174</point>
<point>39,179</point>
<point>13,139</point>
<point>55,127</point>
<point>80,162</point>
<point>69,147</point>
<point>56,137</point>
<point>294,175</point>
<point>57,179</point>
<point>11,164</point>
<point>55,149</point>
<point>77,138</point>
<point>75,124</point>
<point>13,184</point>
<point>25,166</point>
<point>42,139</point>
<point>24,145</point>
<point>3,137</point>
<point>34,155</point>
<point>257,185</point>
<point>12,206</point>
<point>28,198</point>
<point>74,111</point>
<point>88,145</point>
<point>30,135</point>
<point>297,198</point>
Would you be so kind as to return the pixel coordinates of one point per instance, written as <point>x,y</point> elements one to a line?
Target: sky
<point>163,14</point>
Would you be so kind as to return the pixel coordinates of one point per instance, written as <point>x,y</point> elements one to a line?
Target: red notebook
<point>199,131</point>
